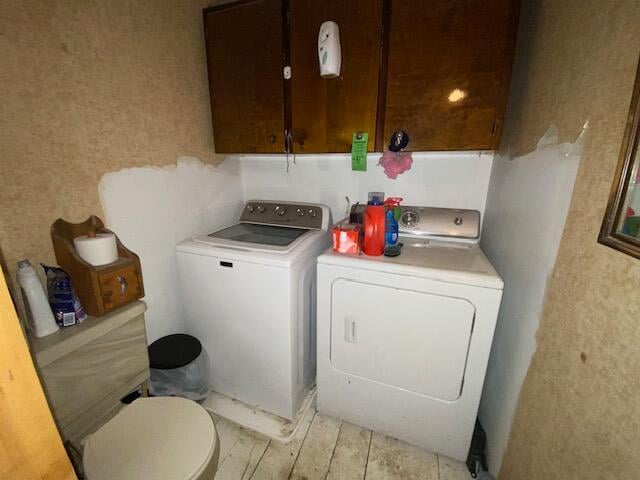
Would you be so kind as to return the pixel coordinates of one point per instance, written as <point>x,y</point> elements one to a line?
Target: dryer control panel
<point>439,222</point>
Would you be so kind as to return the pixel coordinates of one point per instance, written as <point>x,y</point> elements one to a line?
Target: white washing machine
<point>249,296</point>
<point>403,342</point>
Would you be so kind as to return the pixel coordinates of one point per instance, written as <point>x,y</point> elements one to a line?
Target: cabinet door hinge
<point>286,72</point>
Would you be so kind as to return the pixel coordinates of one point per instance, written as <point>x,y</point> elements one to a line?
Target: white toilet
<point>159,438</point>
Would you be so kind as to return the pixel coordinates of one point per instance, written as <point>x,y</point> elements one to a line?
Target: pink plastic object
<point>395,163</point>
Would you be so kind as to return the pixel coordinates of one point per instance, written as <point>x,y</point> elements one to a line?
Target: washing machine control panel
<point>439,222</point>
<point>301,215</point>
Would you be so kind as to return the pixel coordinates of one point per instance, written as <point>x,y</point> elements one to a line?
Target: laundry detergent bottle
<point>40,318</point>
<point>392,205</point>
<point>374,225</point>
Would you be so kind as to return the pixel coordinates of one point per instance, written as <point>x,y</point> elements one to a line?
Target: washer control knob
<point>259,208</point>
<point>280,210</point>
<point>313,213</point>
<point>250,208</point>
<point>300,212</point>
<point>410,218</point>
<point>458,220</point>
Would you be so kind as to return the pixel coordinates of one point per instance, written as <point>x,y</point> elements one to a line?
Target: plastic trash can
<point>179,367</point>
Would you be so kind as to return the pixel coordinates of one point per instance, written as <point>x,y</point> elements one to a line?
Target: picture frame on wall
<point>621,224</point>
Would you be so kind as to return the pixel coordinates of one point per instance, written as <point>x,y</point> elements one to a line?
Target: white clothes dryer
<point>403,342</point>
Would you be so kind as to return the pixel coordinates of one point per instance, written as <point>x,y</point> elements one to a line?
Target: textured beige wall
<point>88,87</point>
<point>579,410</point>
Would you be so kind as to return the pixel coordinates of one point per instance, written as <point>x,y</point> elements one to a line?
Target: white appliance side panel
<point>303,296</point>
<point>303,293</point>
<point>240,312</point>
<point>403,338</point>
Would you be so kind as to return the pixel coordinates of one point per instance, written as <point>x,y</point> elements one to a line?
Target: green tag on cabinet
<point>359,151</point>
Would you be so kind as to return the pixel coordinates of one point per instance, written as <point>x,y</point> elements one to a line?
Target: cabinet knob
<point>272,138</point>
<point>123,284</point>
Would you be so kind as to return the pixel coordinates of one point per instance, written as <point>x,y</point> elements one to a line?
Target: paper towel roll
<point>98,250</point>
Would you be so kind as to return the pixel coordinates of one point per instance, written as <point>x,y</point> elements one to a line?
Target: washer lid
<point>271,239</point>
<point>273,235</point>
<point>164,438</point>
<point>304,247</point>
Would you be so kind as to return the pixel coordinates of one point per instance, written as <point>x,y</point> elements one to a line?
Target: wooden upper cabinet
<point>448,71</point>
<point>439,70</point>
<point>244,44</point>
<point>325,113</point>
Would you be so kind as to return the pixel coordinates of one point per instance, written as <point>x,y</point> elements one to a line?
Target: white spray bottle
<point>39,315</point>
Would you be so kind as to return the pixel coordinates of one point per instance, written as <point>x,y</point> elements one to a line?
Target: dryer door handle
<point>349,330</point>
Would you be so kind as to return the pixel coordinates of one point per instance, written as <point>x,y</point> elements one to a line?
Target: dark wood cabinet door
<point>448,71</point>
<point>325,113</point>
<point>244,56</point>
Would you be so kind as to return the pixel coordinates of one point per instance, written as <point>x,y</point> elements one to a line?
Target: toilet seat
<point>160,438</point>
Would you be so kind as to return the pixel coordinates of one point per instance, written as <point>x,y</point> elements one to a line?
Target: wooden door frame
<point>30,444</point>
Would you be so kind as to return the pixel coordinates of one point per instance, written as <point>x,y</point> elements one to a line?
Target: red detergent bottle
<point>374,225</point>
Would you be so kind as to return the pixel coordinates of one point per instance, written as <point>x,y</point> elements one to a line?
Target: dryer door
<point>407,339</point>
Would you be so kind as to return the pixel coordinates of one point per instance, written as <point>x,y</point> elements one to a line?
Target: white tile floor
<point>326,448</point>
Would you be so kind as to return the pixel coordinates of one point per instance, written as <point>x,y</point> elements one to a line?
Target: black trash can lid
<point>174,351</point>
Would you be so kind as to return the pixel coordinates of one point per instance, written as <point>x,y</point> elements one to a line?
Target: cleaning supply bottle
<point>39,314</point>
<point>391,222</point>
<point>374,225</point>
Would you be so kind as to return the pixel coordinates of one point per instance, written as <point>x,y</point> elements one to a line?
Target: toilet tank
<point>86,369</point>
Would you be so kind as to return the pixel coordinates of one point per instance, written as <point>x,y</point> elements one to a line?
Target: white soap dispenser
<point>329,53</point>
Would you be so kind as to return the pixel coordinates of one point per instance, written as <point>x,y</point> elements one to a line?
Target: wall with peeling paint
<point>578,416</point>
<point>154,208</point>
<point>88,88</point>
<point>526,211</point>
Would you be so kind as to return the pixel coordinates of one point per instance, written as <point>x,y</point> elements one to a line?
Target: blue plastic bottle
<point>391,229</point>
<point>391,224</point>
